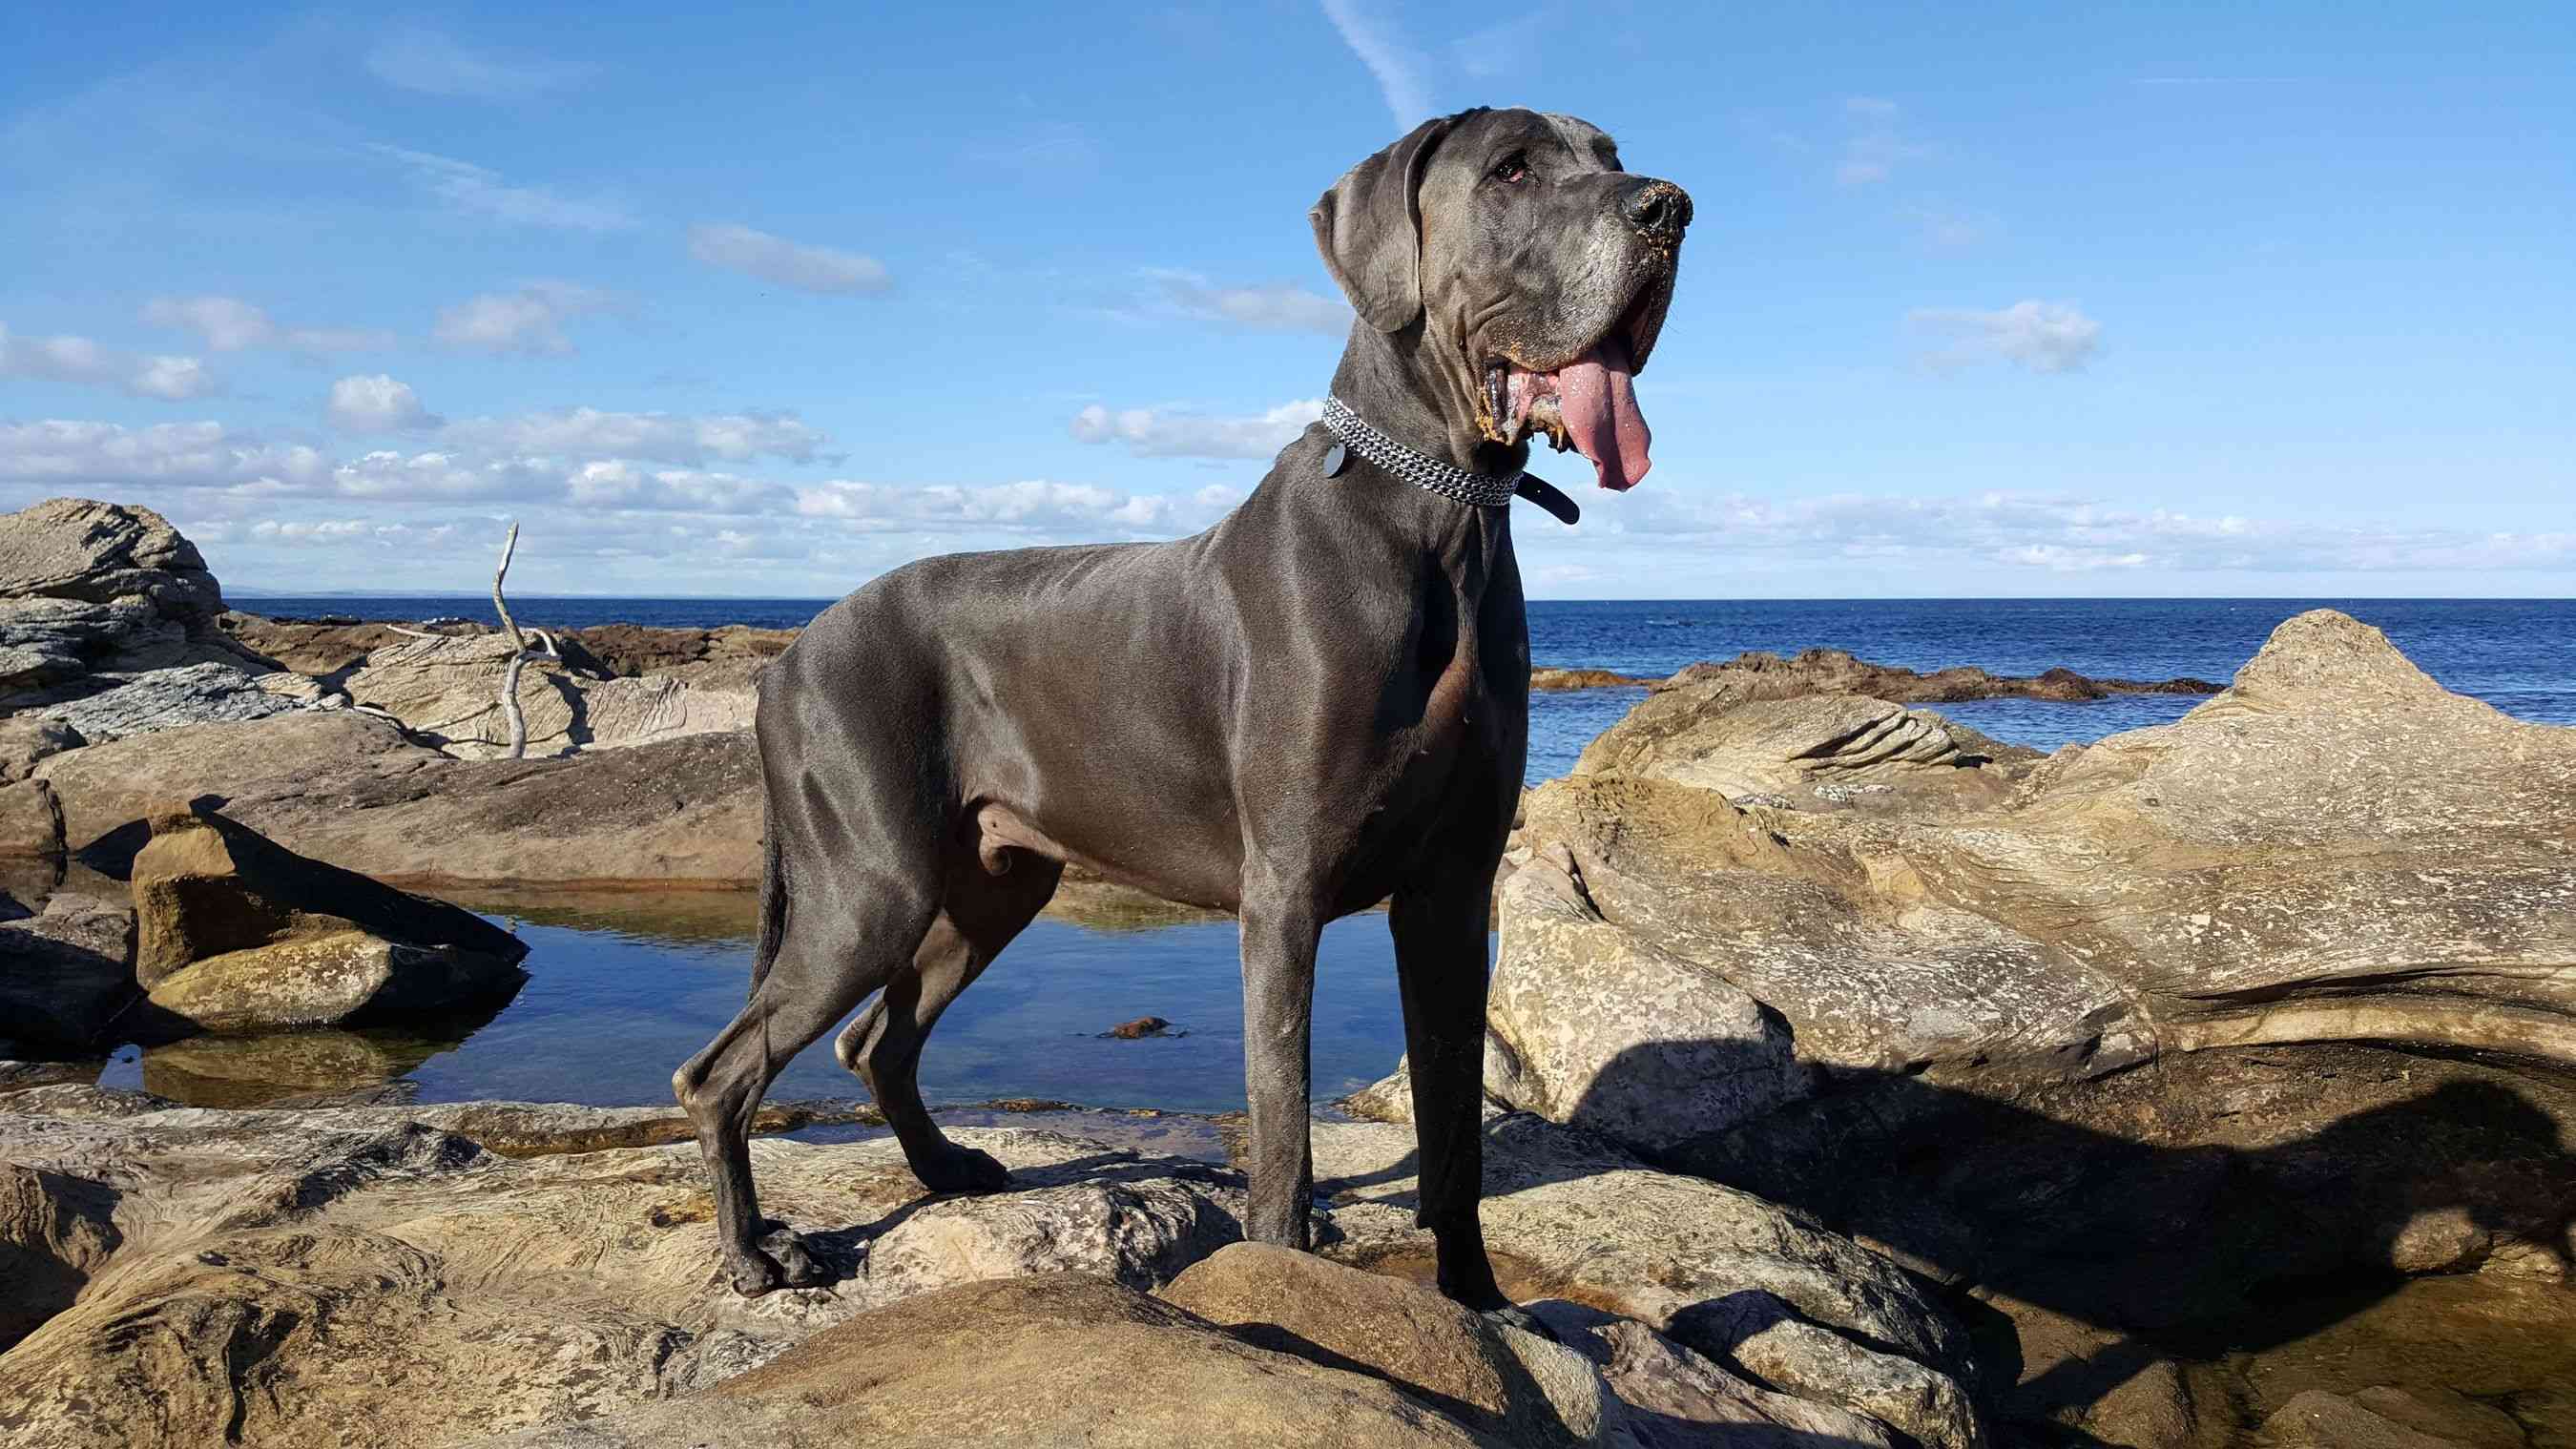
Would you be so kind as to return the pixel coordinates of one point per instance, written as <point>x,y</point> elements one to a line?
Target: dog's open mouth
<point>1588,403</point>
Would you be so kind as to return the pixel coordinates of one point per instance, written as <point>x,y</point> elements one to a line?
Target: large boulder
<point>2274,992</point>
<point>107,623</point>
<point>270,1277</point>
<point>234,932</point>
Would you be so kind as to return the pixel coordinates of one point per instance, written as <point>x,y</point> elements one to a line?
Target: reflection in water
<point>624,986</point>
<point>252,1071</point>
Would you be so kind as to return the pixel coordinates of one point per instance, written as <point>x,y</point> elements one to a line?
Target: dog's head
<point>1537,269</point>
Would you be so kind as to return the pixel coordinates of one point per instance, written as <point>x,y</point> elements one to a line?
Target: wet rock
<point>729,657</point>
<point>66,972</point>
<point>1513,1384</point>
<point>1142,1026</point>
<point>260,1068</point>
<point>1759,674</point>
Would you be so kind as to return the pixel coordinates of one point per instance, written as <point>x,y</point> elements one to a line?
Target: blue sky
<point>2270,300</point>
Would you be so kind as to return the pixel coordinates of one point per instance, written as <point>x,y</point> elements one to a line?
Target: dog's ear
<point>1369,228</point>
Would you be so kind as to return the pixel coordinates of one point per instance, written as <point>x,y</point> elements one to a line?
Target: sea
<point>2517,654</point>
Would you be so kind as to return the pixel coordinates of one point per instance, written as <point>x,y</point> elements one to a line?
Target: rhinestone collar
<point>1483,490</point>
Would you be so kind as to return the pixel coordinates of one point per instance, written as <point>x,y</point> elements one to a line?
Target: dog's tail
<point>773,906</point>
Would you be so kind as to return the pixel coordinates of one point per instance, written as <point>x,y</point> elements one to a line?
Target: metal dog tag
<point>1336,458</point>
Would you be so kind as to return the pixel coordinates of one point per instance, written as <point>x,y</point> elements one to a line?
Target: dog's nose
<point>1657,208</point>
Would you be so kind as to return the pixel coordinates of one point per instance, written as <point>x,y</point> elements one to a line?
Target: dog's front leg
<point>1278,1023</point>
<point>1439,929</point>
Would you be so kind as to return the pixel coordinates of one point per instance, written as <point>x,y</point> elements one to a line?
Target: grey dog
<point>1319,704</point>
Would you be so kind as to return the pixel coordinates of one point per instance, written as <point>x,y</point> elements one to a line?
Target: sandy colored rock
<point>1584,679</point>
<point>2319,1420</point>
<point>1818,751</point>
<point>74,548</point>
<point>1674,1398</point>
<point>54,1232</point>
<point>1569,1216</point>
<point>1062,1359</point>
<point>31,820</point>
<point>1512,1384</point>
<point>348,789</point>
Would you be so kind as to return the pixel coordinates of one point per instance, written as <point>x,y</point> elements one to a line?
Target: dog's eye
<point>1512,168</point>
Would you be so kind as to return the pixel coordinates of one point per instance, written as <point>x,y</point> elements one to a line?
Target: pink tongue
<point>1598,401</point>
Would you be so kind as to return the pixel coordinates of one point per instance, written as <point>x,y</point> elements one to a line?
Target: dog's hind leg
<point>844,938</point>
<point>980,914</point>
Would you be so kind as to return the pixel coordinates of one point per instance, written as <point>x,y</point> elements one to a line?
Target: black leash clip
<point>1548,496</point>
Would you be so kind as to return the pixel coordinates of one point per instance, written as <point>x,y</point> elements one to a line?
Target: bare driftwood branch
<point>520,654</point>
<point>416,633</point>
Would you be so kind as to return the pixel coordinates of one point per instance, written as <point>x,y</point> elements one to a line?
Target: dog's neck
<point>1411,388</point>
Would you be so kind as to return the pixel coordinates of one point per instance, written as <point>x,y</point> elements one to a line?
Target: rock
<point>351,790</point>
<point>1585,679</point>
<point>1142,1026</point>
<point>1761,675</point>
<point>2100,1382</point>
<point>2319,1420</point>
<point>98,553</point>
<point>67,972</point>
<point>1674,1398</point>
<point>320,648</point>
<point>234,932</point>
<point>2158,974</point>
<point>1512,1384</point>
<point>264,1067</point>
<point>1822,747</point>
<point>31,820</point>
<point>54,1232</point>
<point>25,739</point>
<point>1573,994</point>
<point>1567,1215</point>
<point>106,623</point>
<point>996,1364</point>
<point>276,1273</point>
<point>444,690</point>
<point>729,657</point>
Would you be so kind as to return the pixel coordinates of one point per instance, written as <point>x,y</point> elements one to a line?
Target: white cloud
<point>805,267</point>
<point>1162,433</point>
<point>529,320</point>
<point>658,437</point>
<point>1279,307</point>
<point>1399,77</point>
<point>480,191</point>
<point>58,452</point>
<point>1950,230</point>
<point>2039,336</point>
<point>80,360</point>
<point>376,403</point>
<point>432,63</point>
<point>229,324</point>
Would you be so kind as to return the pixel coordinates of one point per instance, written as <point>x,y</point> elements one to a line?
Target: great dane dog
<point>1319,704</point>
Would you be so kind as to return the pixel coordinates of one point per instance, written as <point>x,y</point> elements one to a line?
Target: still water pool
<point>622,989</point>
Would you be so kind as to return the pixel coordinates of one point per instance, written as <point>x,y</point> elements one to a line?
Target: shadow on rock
<point>2206,1204</point>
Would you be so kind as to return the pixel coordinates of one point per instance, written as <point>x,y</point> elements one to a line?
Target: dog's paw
<point>962,1169</point>
<point>780,1261</point>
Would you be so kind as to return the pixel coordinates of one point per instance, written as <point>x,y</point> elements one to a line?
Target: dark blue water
<point>2517,654</point>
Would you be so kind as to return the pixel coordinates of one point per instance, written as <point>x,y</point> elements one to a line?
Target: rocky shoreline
<point>1854,1078</point>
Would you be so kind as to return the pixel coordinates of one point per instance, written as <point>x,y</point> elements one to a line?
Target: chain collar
<point>1483,490</point>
